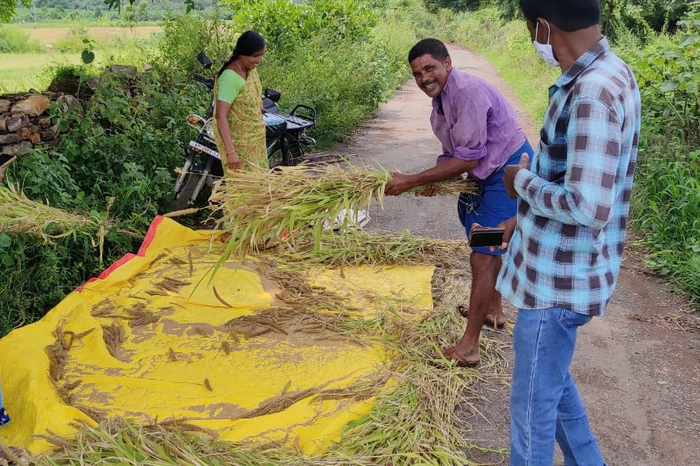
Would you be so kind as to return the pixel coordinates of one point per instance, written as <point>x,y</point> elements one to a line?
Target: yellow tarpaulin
<point>152,338</point>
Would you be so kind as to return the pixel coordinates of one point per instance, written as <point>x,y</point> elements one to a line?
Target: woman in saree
<point>239,127</point>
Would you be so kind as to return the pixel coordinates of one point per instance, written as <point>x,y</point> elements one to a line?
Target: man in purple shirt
<point>480,135</point>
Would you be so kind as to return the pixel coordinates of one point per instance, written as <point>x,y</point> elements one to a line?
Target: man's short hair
<point>569,15</point>
<point>434,47</point>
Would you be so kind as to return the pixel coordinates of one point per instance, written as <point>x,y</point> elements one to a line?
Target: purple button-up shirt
<point>473,121</point>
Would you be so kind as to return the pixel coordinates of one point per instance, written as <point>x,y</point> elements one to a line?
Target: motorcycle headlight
<point>209,128</point>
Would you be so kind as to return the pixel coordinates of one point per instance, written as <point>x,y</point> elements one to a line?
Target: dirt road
<point>637,368</point>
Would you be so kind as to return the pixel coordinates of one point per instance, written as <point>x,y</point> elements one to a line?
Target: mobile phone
<point>5,160</point>
<point>481,237</point>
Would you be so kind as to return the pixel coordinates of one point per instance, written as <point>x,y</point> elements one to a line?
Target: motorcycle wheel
<point>276,159</point>
<point>296,152</point>
<point>182,199</point>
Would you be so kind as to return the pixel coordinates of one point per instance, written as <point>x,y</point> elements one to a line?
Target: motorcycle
<point>285,135</point>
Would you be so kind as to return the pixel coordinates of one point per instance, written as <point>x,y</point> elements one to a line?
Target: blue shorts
<point>491,206</point>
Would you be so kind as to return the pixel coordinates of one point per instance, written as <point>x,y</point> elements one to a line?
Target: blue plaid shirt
<point>573,203</point>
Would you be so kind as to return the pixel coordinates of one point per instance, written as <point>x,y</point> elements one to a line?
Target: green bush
<point>667,213</point>
<point>14,39</point>
<point>126,142</point>
<point>74,41</point>
<point>667,194</point>
<point>285,23</point>
<point>36,275</point>
<point>344,80</point>
<point>184,37</point>
<point>667,72</point>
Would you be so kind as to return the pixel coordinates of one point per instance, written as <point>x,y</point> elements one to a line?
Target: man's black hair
<point>434,47</point>
<point>569,15</point>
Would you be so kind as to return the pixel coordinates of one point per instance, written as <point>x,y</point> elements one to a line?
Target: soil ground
<point>637,368</point>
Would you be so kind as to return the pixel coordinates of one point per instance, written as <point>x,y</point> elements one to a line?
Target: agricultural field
<point>20,72</point>
<point>50,35</point>
<point>50,47</point>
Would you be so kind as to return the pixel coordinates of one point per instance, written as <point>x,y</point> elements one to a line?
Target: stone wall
<point>25,121</point>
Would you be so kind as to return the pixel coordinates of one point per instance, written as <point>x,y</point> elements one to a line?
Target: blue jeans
<point>544,402</point>
<point>491,205</point>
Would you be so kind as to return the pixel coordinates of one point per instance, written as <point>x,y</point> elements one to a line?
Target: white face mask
<point>545,51</point>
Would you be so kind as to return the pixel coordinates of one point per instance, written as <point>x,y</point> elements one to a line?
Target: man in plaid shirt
<point>564,248</point>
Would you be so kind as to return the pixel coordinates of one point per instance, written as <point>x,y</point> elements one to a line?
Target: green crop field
<point>62,45</point>
<point>49,35</point>
<point>21,71</point>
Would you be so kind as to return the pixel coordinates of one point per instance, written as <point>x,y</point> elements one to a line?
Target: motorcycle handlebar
<point>204,80</point>
<point>308,108</point>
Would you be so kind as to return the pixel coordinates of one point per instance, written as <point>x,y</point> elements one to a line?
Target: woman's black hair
<point>248,44</point>
<point>434,47</point>
<point>568,15</point>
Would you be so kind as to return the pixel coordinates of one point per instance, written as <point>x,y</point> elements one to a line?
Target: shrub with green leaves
<point>74,41</point>
<point>344,80</point>
<point>14,39</point>
<point>669,78</point>
<point>667,193</point>
<point>285,24</point>
<point>35,275</point>
<point>185,36</point>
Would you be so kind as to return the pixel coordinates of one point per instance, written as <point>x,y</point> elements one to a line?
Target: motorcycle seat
<point>296,122</point>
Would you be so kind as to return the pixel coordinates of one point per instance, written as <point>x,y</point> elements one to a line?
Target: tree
<point>189,4</point>
<point>8,8</point>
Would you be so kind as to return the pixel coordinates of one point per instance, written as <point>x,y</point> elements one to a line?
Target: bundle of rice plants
<point>18,214</point>
<point>360,247</point>
<point>258,207</point>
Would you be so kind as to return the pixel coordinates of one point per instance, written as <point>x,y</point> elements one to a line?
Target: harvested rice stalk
<point>358,247</point>
<point>450,187</point>
<point>114,336</point>
<point>139,315</point>
<point>18,214</point>
<point>218,296</point>
<point>171,284</point>
<point>277,404</point>
<point>203,331</point>
<point>286,387</point>
<point>257,207</point>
